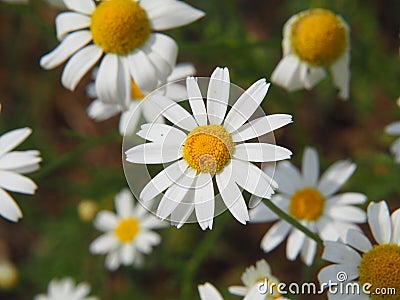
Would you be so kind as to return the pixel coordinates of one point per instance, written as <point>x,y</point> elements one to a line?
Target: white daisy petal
<point>380,222</point>
<point>13,138</point>
<point>347,199</point>
<point>208,292</point>
<point>100,111</point>
<point>393,129</point>
<point>104,244</point>
<point>341,75</point>
<point>288,178</point>
<point>294,243</point>
<point>287,73</point>
<point>27,168</point>
<point>105,221</point>
<point>181,71</point>
<point>204,200</point>
<point>196,101</point>
<point>67,22</point>
<point>127,253</point>
<point>165,47</point>
<point>124,203</point>
<point>246,105</point>
<point>261,152</point>
<point>162,133</point>
<point>340,253</point>
<point>9,209</point>
<point>82,6</point>
<point>395,218</point>
<point>17,183</point>
<point>218,95</point>
<point>313,76</point>
<point>15,160</point>
<point>112,261</point>
<point>153,153</point>
<point>346,213</point>
<point>275,235</point>
<point>142,70</point>
<point>308,251</point>
<point>336,175</point>
<point>238,290</point>
<point>261,213</point>
<point>358,240</point>
<point>146,241</point>
<point>329,273</point>
<point>129,119</point>
<point>310,166</point>
<point>327,229</point>
<point>79,64</point>
<point>183,211</point>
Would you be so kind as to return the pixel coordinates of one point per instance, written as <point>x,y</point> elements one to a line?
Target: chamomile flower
<point>208,292</point>
<point>394,129</point>
<point>12,165</point>
<point>65,289</point>
<point>358,261</point>
<point>128,234</point>
<point>252,278</point>
<point>119,33</point>
<point>311,201</point>
<point>314,40</point>
<point>205,144</point>
<point>99,111</point>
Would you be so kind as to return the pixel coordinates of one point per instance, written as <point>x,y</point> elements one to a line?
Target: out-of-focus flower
<point>120,34</point>
<point>128,234</point>
<point>310,200</point>
<point>213,146</point>
<point>137,106</point>
<point>65,289</point>
<point>377,269</point>
<point>8,275</point>
<point>314,40</point>
<point>12,165</point>
<point>208,292</point>
<point>87,210</point>
<point>252,278</point>
<point>394,129</point>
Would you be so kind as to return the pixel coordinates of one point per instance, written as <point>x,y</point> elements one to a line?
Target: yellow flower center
<point>307,204</point>
<point>208,148</point>
<point>380,267</point>
<point>136,93</point>
<point>127,230</point>
<point>319,37</point>
<point>119,26</point>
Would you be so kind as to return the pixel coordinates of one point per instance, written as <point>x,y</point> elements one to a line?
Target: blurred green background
<point>82,159</point>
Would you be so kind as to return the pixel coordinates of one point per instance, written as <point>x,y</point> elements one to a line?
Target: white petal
<point>142,70</point>
<point>165,47</point>
<point>100,111</point>
<point>336,175</point>
<point>9,209</point>
<point>346,213</point>
<point>152,153</point>
<point>238,290</point>
<point>72,43</point>
<point>181,71</point>
<point>147,240</point>
<point>184,210</point>
<point>327,229</point>
<point>204,200</point>
<point>79,64</point>
<point>246,105</point>
<point>311,76</point>
<point>112,260</point>
<point>261,152</point>
<point>196,101</point>
<point>152,222</point>
<point>358,240</point>
<point>162,134</point>
<point>339,253</point>
<point>287,73</point>
<point>308,251</point>
<point>254,294</point>
<point>261,126</point>
<point>288,178</point>
<point>231,195</point>
<point>129,119</point>
<point>151,112</point>
<point>395,218</point>
<point>67,22</point>
<point>13,138</point>
<point>330,273</point>
<point>218,95</point>
<point>81,291</point>
<point>17,183</point>
<point>208,292</point>
<point>127,253</point>
<point>380,222</point>
<point>341,75</point>
<point>261,213</point>
<point>275,235</point>
<point>15,160</point>
<point>347,199</point>
<point>393,129</point>
<point>104,244</point>
<point>105,221</point>
<point>124,203</point>
<point>82,6</point>
<point>27,169</point>
<point>310,166</point>
<point>294,243</point>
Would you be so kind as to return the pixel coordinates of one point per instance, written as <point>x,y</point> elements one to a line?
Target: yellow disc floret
<point>380,267</point>
<point>319,37</point>
<point>119,26</point>
<point>307,204</point>
<point>127,230</point>
<point>208,148</point>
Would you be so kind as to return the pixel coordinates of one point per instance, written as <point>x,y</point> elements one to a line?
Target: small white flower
<point>252,278</point>
<point>65,289</point>
<point>208,292</point>
<point>377,267</point>
<point>312,202</point>
<point>394,129</point>
<point>313,40</point>
<point>120,34</point>
<point>207,143</point>
<point>12,165</point>
<point>137,106</point>
<point>127,234</point>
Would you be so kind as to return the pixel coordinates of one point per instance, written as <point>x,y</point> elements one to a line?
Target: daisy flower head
<point>127,234</point>
<point>138,105</point>
<point>65,289</point>
<point>394,129</point>
<point>372,267</point>
<point>314,40</point>
<point>257,281</point>
<point>208,292</point>
<point>207,144</point>
<point>13,164</point>
<point>311,201</point>
<point>121,34</point>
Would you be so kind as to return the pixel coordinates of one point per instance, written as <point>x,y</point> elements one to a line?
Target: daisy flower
<point>313,203</point>
<point>120,34</point>
<point>65,289</point>
<point>252,278</point>
<point>394,129</point>
<point>357,261</point>
<point>127,234</point>
<point>208,292</point>
<point>314,40</point>
<point>205,144</point>
<point>12,165</point>
<point>99,111</point>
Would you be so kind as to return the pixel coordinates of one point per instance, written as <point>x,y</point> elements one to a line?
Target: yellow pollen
<point>127,230</point>
<point>307,204</point>
<point>119,26</point>
<point>319,37</point>
<point>380,267</point>
<point>136,93</point>
<point>208,148</point>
